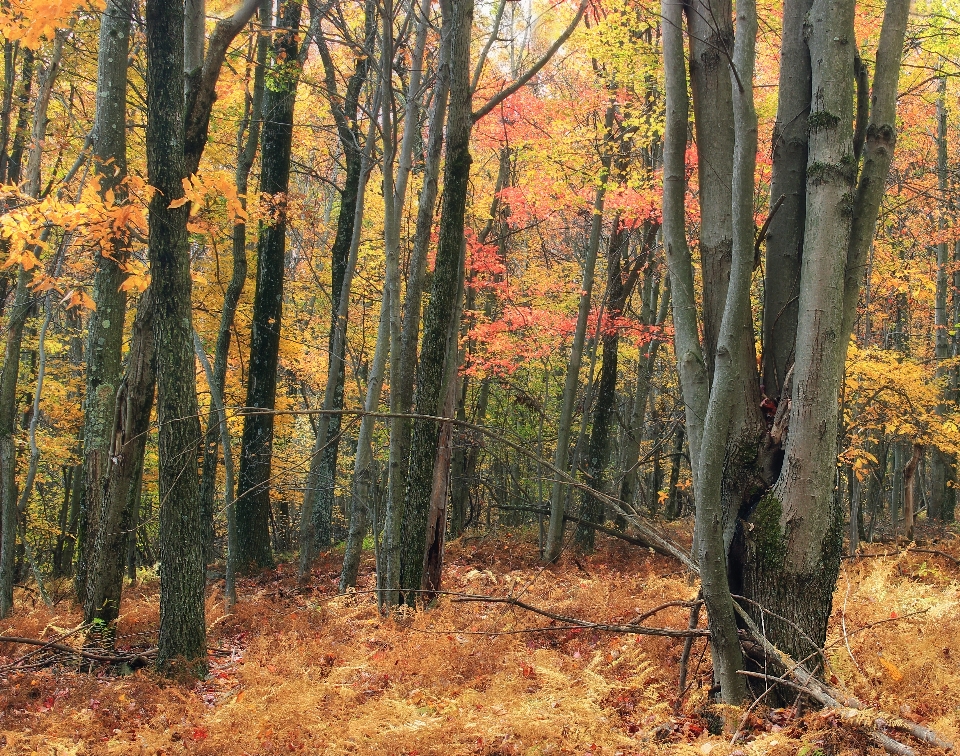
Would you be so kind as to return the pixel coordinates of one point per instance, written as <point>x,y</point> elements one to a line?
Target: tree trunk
<point>713,527</point>
<point>253,499</point>
<point>129,429</point>
<point>619,289</point>
<point>784,240</point>
<point>350,143</point>
<point>909,485</point>
<point>443,306</point>
<point>942,465</point>
<point>105,326</point>
<point>673,508</point>
<point>794,544</point>
<point>182,626</point>
<point>711,44</point>
<point>11,369</point>
<point>402,384</point>
<point>246,153</point>
<point>558,492</point>
<point>652,313</point>
<point>216,399</point>
<point>8,454</point>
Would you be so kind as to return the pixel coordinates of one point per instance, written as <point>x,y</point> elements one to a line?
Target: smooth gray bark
<point>713,524</point>
<point>106,322</point>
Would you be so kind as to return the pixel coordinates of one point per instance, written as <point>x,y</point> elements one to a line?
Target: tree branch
<point>535,69</point>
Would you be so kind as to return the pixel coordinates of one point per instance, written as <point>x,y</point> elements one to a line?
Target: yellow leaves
<point>138,277</point>
<point>888,393</point>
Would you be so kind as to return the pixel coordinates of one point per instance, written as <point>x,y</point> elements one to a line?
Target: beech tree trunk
<point>105,325</point>
<point>793,546</point>
<point>129,428</point>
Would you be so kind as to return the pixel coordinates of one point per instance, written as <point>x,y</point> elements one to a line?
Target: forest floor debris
<point>310,672</point>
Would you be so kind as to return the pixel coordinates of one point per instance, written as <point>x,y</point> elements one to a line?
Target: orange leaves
<point>30,21</point>
<point>208,189</point>
<point>78,298</point>
<point>892,670</point>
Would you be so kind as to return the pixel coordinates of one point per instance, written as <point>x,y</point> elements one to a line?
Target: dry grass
<point>320,674</point>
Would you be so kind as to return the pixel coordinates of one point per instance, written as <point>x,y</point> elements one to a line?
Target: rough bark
<point>443,305</point>
<point>8,458</point>
<point>402,384</point>
<point>11,369</point>
<point>253,486</point>
<point>182,626</point>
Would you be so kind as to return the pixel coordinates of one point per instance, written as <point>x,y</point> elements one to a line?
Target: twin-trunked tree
<point>768,524</point>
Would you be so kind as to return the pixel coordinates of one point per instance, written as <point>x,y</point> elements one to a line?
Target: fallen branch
<point>596,526</point>
<point>633,629</point>
<point>847,706</point>
<point>907,550</point>
<point>83,653</point>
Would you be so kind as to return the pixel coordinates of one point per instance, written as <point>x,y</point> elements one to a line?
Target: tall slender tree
<point>182,625</point>
<point>253,485</point>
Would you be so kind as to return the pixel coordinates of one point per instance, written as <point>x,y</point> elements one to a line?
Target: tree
<point>780,480</point>
<point>253,501</point>
<point>105,326</point>
<point>182,626</point>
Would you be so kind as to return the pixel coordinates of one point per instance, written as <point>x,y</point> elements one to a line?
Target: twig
<point>909,549</point>
<point>688,647</point>
<point>763,230</point>
<point>891,746</point>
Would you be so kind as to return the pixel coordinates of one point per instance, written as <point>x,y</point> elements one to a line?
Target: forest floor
<point>309,672</point>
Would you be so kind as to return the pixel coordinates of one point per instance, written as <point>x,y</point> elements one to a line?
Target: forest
<point>502,377</point>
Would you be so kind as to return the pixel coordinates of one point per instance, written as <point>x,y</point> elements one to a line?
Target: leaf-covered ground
<point>310,672</point>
